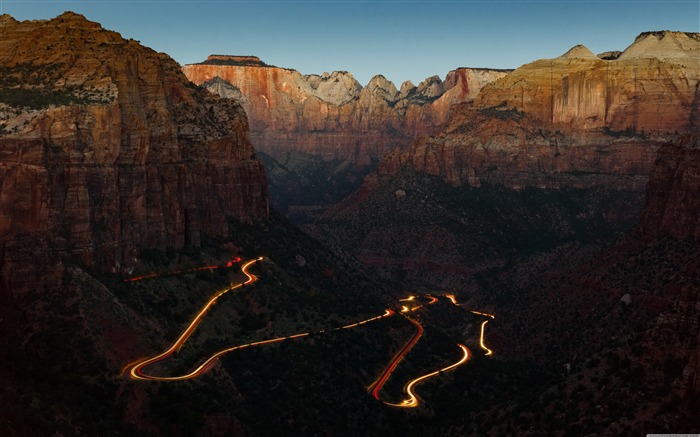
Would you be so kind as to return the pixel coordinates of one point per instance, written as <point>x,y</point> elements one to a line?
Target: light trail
<point>136,368</point>
<point>481,340</point>
<point>405,309</point>
<point>397,358</point>
<point>233,260</point>
<point>206,364</point>
<point>413,400</point>
<point>483,314</point>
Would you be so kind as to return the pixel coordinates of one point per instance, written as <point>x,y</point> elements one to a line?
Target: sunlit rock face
<point>573,121</point>
<point>332,115</point>
<point>650,87</point>
<point>107,149</point>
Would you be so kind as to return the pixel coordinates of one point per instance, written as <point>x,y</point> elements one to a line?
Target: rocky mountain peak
<point>579,52</point>
<point>6,19</point>
<point>406,88</point>
<point>666,45</point>
<point>338,87</point>
<point>428,90</point>
<point>592,93</point>
<point>381,87</point>
<point>75,20</point>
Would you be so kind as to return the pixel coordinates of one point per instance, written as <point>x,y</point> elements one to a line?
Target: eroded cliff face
<point>673,193</point>
<point>332,115</point>
<point>649,88</point>
<point>506,147</point>
<point>106,149</point>
<point>672,216</point>
<point>577,120</point>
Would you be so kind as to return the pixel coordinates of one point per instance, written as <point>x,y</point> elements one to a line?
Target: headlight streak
<point>481,339</point>
<point>413,400</point>
<point>136,368</point>
<point>377,386</point>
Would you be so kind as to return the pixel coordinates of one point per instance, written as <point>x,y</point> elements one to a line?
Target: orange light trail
<point>484,314</point>
<point>397,358</point>
<point>481,340</point>
<point>413,400</point>
<point>230,263</point>
<point>137,373</point>
<point>136,369</point>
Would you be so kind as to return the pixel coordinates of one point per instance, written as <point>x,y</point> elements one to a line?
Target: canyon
<point>561,197</point>
<point>559,150</point>
<point>320,135</point>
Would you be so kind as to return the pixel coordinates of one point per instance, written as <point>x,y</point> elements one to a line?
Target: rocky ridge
<point>650,87</point>
<point>332,115</point>
<point>107,149</point>
<point>576,120</point>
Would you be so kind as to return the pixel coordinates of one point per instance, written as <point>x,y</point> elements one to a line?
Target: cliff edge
<point>106,149</point>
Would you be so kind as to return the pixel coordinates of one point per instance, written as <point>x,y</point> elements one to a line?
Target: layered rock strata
<point>106,149</point>
<point>332,115</point>
<point>577,120</point>
<point>650,87</point>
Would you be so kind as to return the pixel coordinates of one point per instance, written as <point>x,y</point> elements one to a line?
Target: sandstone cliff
<point>332,115</point>
<point>576,120</point>
<point>106,149</point>
<point>673,194</point>
<point>650,87</point>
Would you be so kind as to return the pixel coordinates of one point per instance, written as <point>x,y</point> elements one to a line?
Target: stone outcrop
<point>506,147</point>
<point>576,121</point>
<point>650,87</point>
<point>106,149</point>
<point>332,115</point>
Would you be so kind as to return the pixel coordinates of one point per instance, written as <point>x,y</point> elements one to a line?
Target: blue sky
<point>403,40</point>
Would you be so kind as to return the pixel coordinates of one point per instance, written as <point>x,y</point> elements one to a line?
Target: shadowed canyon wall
<point>106,149</point>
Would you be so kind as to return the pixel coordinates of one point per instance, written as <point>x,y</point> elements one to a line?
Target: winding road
<point>136,370</point>
<point>412,400</point>
<point>376,386</point>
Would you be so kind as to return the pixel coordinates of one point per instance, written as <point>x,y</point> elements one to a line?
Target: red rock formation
<point>332,115</point>
<point>508,148</point>
<point>576,120</point>
<point>106,149</point>
<point>650,87</point>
